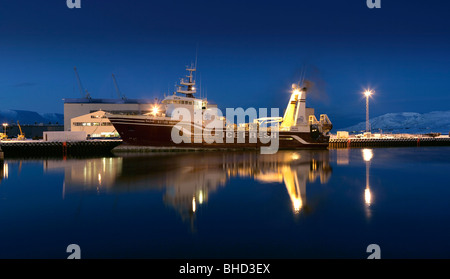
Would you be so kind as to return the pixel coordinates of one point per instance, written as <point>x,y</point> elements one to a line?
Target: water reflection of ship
<point>188,179</point>
<point>293,169</point>
<point>3,172</point>
<point>97,174</point>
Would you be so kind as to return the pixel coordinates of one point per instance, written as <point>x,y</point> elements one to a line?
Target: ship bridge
<point>297,116</point>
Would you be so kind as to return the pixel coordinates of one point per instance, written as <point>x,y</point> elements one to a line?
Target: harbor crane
<point>121,96</point>
<point>87,96</point>
<point>4,136</point>
<point>20,136</point>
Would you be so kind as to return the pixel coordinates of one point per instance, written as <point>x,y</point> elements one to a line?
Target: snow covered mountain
<point>30,117</point>
<point>406,122</point>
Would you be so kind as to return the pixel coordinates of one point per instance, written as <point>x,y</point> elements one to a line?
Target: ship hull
<point>158,133</point>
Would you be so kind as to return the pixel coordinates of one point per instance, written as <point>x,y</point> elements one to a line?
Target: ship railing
<point>313,120</point>
<point>324,119</point>
<point>260,122</point>
<point>325,123</point>
<point>268,120</point>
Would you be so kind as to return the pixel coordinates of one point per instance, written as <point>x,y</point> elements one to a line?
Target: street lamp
<point>367,93</point>
<point>4,127</point>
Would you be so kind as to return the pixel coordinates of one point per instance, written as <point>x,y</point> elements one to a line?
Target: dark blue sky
<point>249,52</point>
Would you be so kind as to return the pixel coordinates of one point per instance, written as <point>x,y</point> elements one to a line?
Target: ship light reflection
<point>193,205</point>
<point>200,197</point>
<point>5,171</point>
<point>298,204</point>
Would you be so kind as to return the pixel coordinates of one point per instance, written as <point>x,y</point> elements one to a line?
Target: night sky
<point>248,52</point>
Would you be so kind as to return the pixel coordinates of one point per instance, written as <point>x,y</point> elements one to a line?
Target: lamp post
<point>367,93</point>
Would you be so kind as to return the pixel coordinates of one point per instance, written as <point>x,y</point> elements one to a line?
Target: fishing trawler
<point>182,120</point>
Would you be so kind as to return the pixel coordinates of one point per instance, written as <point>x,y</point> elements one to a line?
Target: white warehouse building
<point>74,108</point>
<point>95,125</point>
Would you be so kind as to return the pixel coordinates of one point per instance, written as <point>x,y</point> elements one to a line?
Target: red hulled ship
<point>182,120</point>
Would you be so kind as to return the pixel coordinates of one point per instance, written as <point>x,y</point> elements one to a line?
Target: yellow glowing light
<point>5,170</point>
<point>200,197</point>
<point>367,196</point>
<point>367,154</point>
<point>368,93</point>
<point>155,110</point>
<point>193,204</point>
<point>297,202</point>
<point>295,156</point>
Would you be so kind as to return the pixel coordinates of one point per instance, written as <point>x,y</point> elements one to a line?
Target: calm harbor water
<point>294,204</point>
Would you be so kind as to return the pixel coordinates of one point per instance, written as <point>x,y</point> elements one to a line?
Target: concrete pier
<point>36,148</point>
<point>388,142</point>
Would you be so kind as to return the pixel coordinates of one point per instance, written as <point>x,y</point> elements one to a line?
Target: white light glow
<point>297,205</point>
<point>367,154</point>
<point>5,171</point>
<point>367,196</point>
<point>295,156</point>
<point>155,110</point>
<point>193,205</point>
<point>200,197</point>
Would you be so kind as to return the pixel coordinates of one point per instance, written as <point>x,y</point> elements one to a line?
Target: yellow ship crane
<point>20,136</point>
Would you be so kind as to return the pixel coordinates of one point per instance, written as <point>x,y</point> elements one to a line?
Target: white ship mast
<point>189,84</point>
